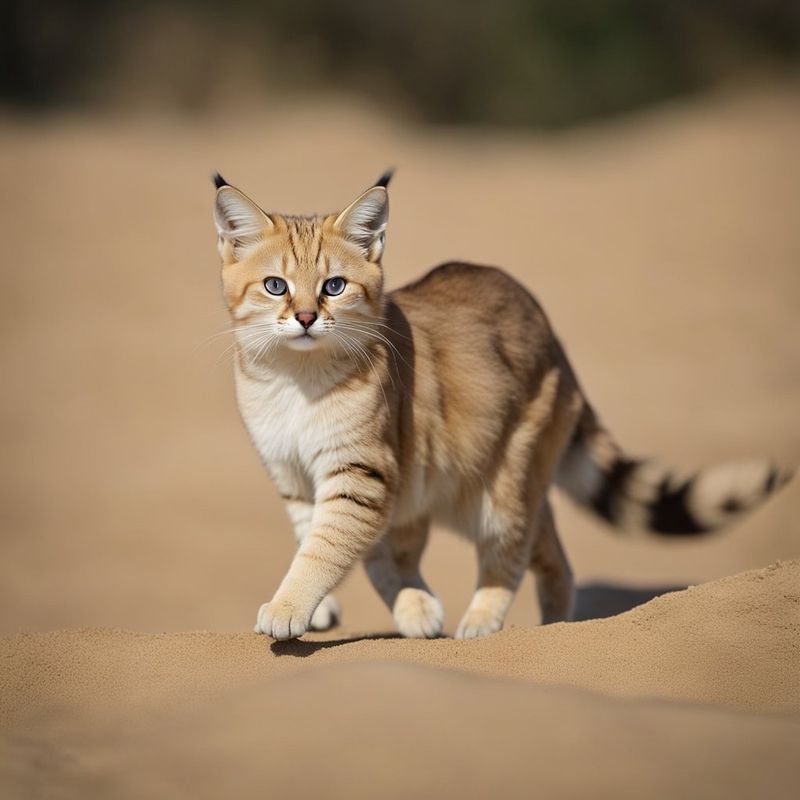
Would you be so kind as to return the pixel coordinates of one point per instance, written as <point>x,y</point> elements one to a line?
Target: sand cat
<point>449,399</point>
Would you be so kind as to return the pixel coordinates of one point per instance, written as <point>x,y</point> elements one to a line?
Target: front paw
<point>281,620</point>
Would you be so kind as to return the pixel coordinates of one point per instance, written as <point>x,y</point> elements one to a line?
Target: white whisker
<point>363,328</point>
<point>350,342</point>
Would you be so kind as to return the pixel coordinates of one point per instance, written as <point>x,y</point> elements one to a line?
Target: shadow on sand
<point>302,648</point>
<point>601,600</point>
<point>592,601</point>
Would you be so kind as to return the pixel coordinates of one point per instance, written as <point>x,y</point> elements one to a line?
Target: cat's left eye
<point>276,286</point>
<point>333,286</point>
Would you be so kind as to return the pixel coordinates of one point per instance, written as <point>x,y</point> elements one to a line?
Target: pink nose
<point>306,318</point>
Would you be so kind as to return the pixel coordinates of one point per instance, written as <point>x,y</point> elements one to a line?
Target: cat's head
<point>301,283</point>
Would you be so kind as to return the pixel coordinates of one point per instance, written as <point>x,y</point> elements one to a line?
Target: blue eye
<point>275,285</point>
<point>333,286</point>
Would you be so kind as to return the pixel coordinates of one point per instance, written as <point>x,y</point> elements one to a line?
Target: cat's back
<point>478,309</point>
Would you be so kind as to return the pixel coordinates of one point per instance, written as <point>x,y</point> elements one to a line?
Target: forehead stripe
<point>292,244</point>
<point>319,245</point>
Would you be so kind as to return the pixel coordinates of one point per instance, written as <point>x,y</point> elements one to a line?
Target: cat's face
<point>301,283</point>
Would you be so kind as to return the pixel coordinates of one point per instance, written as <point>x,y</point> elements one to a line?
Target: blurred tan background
<point>655,218</point>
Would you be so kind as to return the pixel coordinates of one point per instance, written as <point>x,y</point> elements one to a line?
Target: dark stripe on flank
<point>364,469</point>
<point>669,512</point>
<point>614,482</point>
<point>364,502</point>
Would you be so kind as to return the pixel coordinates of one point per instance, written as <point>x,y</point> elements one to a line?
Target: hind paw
<point>478,622</point>
<point>328,614</point>
<point>418,614</point>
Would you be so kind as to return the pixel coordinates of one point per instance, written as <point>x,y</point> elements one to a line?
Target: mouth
<point>303,341</point>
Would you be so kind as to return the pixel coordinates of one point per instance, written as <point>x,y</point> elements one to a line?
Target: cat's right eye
<point>276,286</point>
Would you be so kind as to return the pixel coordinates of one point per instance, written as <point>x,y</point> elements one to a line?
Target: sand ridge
<point>733,642</point>
<point>115,711</point>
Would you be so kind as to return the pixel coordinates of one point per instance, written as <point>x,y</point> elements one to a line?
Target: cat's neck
<point>315,373</point>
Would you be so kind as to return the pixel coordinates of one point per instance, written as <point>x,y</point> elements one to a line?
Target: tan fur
<point>448,400</point>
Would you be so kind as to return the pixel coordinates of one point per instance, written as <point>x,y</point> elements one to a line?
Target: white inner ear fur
<point>240,222</point>
<point>364,221</point>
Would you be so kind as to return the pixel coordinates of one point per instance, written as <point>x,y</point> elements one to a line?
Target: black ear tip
<point>385,178</point>
<point>219,181</point>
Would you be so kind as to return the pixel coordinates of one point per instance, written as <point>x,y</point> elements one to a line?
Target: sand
<point>201,714</point>
<point>140,534</point>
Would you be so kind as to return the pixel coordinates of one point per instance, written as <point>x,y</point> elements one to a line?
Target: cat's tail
<point>633,493</point>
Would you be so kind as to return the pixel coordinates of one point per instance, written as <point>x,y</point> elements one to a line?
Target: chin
<point>303,343</point>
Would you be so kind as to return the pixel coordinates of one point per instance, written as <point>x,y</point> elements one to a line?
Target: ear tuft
<point>385,178</point>
<point>240,222</point>
<point>364,221</point>
<point>219,181</point>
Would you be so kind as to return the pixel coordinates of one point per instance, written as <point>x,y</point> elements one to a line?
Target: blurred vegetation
<point>543,63</point>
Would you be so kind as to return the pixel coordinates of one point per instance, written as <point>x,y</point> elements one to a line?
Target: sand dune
<point>203,714</point>
<point>731,642</point>
<point>665,248</point>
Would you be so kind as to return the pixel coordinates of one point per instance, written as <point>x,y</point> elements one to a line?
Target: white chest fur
<point>280,418</point>
<point>290,424</point>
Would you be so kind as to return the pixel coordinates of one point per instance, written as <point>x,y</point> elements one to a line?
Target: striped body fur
<point>447,400</point>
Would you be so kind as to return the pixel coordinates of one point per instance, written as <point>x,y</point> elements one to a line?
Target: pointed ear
<point>364,221</point>
<point>240,222</point>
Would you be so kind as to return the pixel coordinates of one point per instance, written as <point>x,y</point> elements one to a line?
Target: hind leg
<point>554,583</point>
<point>501,566</point>
<point>508,515</point>
<point>393,568</point>
<point>504,540</point>
<point>503,529</point>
